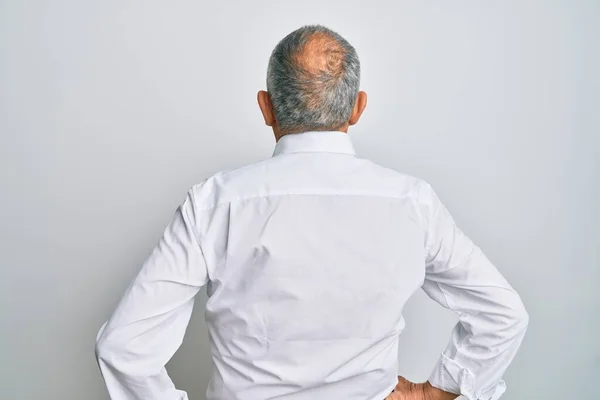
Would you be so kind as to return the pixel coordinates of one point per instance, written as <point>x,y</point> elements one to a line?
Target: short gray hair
<point>309,94</point>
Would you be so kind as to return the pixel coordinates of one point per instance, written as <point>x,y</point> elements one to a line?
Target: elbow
<point>112,354</point>
<point>522,320</point>
<point>101,349</point>
<point>518,315</point>
<point>511,316</point>
<point>108,355</point>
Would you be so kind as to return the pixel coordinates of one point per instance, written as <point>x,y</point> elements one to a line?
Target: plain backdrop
<point>110,110</point>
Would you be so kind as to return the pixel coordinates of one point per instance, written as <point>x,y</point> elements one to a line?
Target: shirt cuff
<point>449,376</point>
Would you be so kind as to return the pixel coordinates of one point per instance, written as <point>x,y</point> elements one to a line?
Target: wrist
<point>432,393</point>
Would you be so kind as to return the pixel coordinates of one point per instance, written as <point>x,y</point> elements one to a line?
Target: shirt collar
<point>315,142</point>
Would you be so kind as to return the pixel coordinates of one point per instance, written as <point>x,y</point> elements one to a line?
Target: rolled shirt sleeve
<point>150,321</point>
<point>492,320</point>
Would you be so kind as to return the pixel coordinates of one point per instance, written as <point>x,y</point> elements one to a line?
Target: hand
<point>406,390</point>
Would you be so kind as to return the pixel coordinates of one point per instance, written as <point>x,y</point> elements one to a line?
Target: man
<point>309,258</point>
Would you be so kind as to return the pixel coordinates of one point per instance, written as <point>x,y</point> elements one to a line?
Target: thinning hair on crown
<point>313,79</point>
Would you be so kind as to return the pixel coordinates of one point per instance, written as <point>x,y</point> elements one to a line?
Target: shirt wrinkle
<point>342,244</point>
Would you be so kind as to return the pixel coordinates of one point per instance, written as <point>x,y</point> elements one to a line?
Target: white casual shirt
<point>309,258</point>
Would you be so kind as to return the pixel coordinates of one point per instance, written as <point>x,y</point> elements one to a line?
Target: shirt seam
<point>194,228</point>
<point>290,152</point>
<point>420,214</point>
<point>429,223</point>
<point>307,193</point>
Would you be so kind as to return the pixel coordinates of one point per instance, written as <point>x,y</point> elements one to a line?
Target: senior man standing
<point>309,258</point>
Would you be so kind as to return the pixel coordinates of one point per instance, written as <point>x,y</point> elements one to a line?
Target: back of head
<point>313,80</point>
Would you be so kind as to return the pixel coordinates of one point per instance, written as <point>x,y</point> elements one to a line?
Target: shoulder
<point>224,186</point>
<point>403,184</point>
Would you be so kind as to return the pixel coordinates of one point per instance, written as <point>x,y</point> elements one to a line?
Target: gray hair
<point>313,88</point>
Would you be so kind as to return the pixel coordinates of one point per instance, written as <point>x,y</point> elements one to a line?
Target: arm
<point>149,323</point>
<point>406,390</point>
<point>493,319</point>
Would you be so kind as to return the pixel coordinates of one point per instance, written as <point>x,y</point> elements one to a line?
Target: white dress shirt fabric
<point>308,258</point>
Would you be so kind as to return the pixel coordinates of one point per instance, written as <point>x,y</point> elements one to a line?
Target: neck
<point>279,133</point>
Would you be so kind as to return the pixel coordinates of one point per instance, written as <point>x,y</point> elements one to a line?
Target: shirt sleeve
<point>492,320</point>
<point>149,323</point>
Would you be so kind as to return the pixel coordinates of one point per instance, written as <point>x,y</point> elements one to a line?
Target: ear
<point>266,107</point>
<point>359,107</point>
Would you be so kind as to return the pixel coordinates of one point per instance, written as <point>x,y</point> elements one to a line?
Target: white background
<point>110,110</point>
